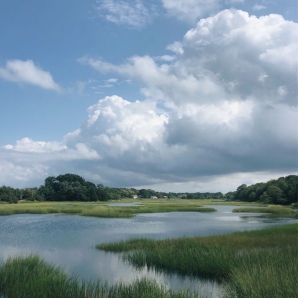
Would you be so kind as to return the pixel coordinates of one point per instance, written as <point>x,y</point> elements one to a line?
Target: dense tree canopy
<point>71,187</point>
<point>283,191</point>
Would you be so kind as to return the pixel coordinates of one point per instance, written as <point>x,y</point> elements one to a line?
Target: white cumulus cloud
<point>222,57</point>
<point>28,145</point>
<point>28,73</point>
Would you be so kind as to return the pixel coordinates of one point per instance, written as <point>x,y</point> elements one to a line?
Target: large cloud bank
<point>226,104</point>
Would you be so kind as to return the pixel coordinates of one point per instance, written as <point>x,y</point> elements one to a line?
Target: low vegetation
<point>23,277</point>
<point>261,263</point>
<point>102,209</point>
<point>273,209</point>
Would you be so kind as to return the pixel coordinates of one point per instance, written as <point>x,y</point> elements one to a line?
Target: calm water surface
<point>69,240</point>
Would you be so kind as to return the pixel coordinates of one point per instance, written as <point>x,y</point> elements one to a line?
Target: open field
<point>101,209</point>
<point>262,263</point>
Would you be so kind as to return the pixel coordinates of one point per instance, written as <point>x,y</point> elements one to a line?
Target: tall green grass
<point>265,273</point>
<point>32,277</point>
<point>246,261</point>
<point>192,260</point>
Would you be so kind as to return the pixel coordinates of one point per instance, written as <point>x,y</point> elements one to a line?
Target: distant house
<point>134,196</point>
<point>153,197</point>
<point>165,197</point>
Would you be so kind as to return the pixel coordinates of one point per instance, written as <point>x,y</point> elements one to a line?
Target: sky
<point>172,95</point>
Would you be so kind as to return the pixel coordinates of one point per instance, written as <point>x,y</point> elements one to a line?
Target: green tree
<point>276,194</point>
<point>265,198</point>
<point>8,194</point>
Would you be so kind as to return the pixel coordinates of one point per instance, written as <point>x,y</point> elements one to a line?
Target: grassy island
<point>104,209</point>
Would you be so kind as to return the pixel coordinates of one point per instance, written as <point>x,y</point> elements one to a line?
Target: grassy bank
<point>273,209</point>
<point>24,277</point>
<point>102,209</point>
<point>262,263</point>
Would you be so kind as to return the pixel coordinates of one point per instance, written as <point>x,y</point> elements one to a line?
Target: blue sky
<point>172,95</point>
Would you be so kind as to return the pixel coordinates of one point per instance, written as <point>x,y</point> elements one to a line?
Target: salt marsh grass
<point>23,277</point>
<point>266,273</point>
<point>274,209</point>
<point>109,212</point>
<point>101,209</point>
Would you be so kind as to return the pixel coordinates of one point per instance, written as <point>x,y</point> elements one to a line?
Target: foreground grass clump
<point>28,277</point>
<point>265,273</point>
<point>24,277</point>
<point>261,263</point>
<point>100,209</point>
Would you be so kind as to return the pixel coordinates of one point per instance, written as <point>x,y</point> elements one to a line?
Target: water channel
<point>69,240</point>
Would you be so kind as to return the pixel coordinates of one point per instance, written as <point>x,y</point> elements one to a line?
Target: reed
<point>265,273</point>
<point>122,246</point>
<point>23,277</point>
<point>196,260</point>
<point>31,276</point>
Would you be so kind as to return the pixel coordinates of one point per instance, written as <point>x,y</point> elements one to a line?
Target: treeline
<point>149,193</point>
<point>71,187</point>
<point>68,187</point>
<point>283,191</point>
<point>203,195</point>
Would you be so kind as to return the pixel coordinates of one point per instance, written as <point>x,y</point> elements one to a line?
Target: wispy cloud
<point>234,1</point>
<point>258,7</point>
<point>134,14</point>
<point>190,10</point>
<point>165,58</point>
<point>111,80</point>
<point>28,73</point>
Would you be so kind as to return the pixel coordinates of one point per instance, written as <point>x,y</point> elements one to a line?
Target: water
<point>69,240</point>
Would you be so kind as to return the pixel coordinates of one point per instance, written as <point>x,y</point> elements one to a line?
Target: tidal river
<point>69,240</point>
